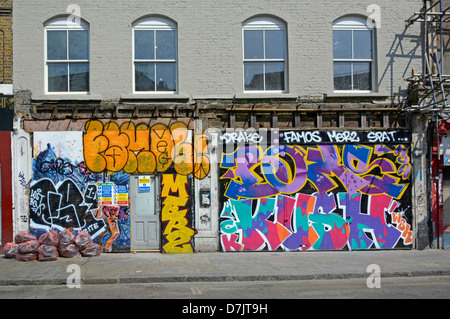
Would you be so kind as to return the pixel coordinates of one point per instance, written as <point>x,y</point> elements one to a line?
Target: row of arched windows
<point>155,55</point>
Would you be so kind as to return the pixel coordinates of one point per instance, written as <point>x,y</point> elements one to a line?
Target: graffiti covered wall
<point>81,179</point>
<point>140,149</point>
<point>320,190</point>
<point>176,214</point>
<point>63,193</point>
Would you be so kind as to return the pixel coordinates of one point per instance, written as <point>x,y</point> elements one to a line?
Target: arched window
<point>353,55</point>
<point>155,55</point>
<point>67,56</point>
<point>264,54</point>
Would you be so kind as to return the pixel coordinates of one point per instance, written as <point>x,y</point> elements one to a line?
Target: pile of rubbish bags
<point>51,245</point>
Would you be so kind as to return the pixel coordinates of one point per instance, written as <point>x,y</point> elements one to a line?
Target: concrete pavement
<point>250,266</point>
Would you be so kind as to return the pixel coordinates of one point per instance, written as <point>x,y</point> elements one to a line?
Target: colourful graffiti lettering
<point>315,197</point>
<point>293,224</point>
<point>403,226</point>
<point>284,169</point>
<point>279,174</point>
<point>175,217</point>
<point>142,149</point>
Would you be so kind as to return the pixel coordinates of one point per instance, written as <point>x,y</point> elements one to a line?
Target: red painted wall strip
<point>6,187</point>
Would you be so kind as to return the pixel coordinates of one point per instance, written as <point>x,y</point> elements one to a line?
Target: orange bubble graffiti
<point>139,149</point>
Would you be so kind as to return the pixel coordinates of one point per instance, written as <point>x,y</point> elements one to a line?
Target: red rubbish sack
<point>50,238</point>
<point>26,256</point>
<point>83,240</point>
<point>66,237</point>
<point>70,251</point>
<point>47,253</point>
<point>23,238</point>
<point>93,250</point>
<point>28,247</point>
<point>10,250</point>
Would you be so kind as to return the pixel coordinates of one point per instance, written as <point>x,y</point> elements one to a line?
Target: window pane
<point>253,76</point>
<point>342,76</point>
<point>342,44</point>
<point>362,76</point>
<point>145,77</point>
<point>57,77</point>
<point>253,44</point>
<point>166,75</point>
<point>165,45</point>
<point>78,45</point>
<point>79,77</point>
<point>57,45</point>
<point>144,44</point>
<point>275,76</point>
<point>275,44</point>
<point>362,42</point>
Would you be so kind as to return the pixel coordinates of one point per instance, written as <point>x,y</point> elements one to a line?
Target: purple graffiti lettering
<point>22,181</point>
<point>324,163</point>
<point>277,176</point>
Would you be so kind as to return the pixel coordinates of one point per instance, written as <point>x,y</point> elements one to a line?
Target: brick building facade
<point>6,71</point>
<point>254,126</point>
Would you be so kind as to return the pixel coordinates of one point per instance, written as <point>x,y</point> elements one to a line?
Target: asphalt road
<point>431,287</point>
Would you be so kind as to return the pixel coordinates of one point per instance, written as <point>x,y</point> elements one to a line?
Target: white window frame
<point>65,24</point>
<point>154,24</point>
<point>263,24</point>
<point>353,23</point>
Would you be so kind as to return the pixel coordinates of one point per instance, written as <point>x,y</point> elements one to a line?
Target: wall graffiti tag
<point>140,149</point>
<point>63,193</point>
<point>118,235</point>
<point>176,214</point>
<point>317,196</point>
<point>63,206</point>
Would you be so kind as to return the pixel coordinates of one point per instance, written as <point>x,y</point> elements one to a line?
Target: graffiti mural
<point>176,214</point>
<point>117,236</point>
<point>81,179</point>
<point>326,190</point>
<point>64,205</point>
<point>63,192</point>
<point>140,149</point>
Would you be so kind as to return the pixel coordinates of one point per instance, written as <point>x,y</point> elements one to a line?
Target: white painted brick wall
<point>210,42</point>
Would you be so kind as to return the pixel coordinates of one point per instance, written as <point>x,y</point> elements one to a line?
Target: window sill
<point>356,94</point>
<point>66,97</point>
<point>154,97</point>
<point>268,95</point>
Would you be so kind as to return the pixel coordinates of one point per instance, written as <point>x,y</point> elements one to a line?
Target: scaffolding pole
<point>432,79</point>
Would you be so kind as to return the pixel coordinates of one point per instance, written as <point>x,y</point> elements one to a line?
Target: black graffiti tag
<point>63,206</point>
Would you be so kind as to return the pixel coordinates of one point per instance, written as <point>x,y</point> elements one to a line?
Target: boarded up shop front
<point>81,179</point>
<point>315,190</point>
